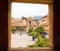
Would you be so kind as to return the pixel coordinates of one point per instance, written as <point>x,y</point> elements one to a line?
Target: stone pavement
<point>18,40</point>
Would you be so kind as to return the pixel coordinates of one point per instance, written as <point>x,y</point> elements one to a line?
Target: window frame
<point>50,7</point>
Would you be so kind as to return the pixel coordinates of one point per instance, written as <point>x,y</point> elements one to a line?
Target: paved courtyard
<point>18,40</point>
<point>23,40</point>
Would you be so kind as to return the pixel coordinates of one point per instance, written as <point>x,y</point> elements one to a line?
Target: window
<point>50,29</point>
<point>29,22</point>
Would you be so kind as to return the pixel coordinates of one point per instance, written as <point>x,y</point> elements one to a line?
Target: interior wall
<point>56,26</point>
<point>4,25</point>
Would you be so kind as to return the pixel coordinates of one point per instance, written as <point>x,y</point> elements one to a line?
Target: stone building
<point>29,22</point>
<point>44,22</point>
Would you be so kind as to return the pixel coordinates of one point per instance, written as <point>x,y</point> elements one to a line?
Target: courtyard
<point>18,40</point>
<point>23,39</point>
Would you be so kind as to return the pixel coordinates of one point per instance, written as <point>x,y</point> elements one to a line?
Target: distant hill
<point>37,17</point>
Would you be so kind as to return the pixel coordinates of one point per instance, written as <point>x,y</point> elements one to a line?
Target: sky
<point>27,9</point>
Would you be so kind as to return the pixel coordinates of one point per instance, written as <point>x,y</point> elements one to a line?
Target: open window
<point>21,28</point>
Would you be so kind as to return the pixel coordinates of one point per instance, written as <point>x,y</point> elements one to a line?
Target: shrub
<point>41,42</point>
<point>30,30</point>
<point>46,42</point>
<point>13,29</point>
<point>33,33</point>
<point>21,28</point>
<point>30,45</point>
<point>40,29</point>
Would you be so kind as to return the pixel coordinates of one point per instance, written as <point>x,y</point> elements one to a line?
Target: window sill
<point>31,49</point>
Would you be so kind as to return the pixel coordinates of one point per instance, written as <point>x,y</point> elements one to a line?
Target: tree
<point>40,29</point>
<point>13,29</point>
<point>41,42</point>
<point>30,30</point>
<point>21,28</point>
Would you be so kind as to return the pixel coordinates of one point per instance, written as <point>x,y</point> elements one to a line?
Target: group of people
<point>33,37</point>
<point>43,34</point>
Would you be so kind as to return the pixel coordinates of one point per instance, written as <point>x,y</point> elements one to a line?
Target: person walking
<point>33,38</point>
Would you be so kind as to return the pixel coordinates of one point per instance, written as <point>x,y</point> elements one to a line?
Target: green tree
<point>40,29</point>
<point>30,30</point>
<point>21,28</point>
<point>13,29</point>
<point>41,42</point>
